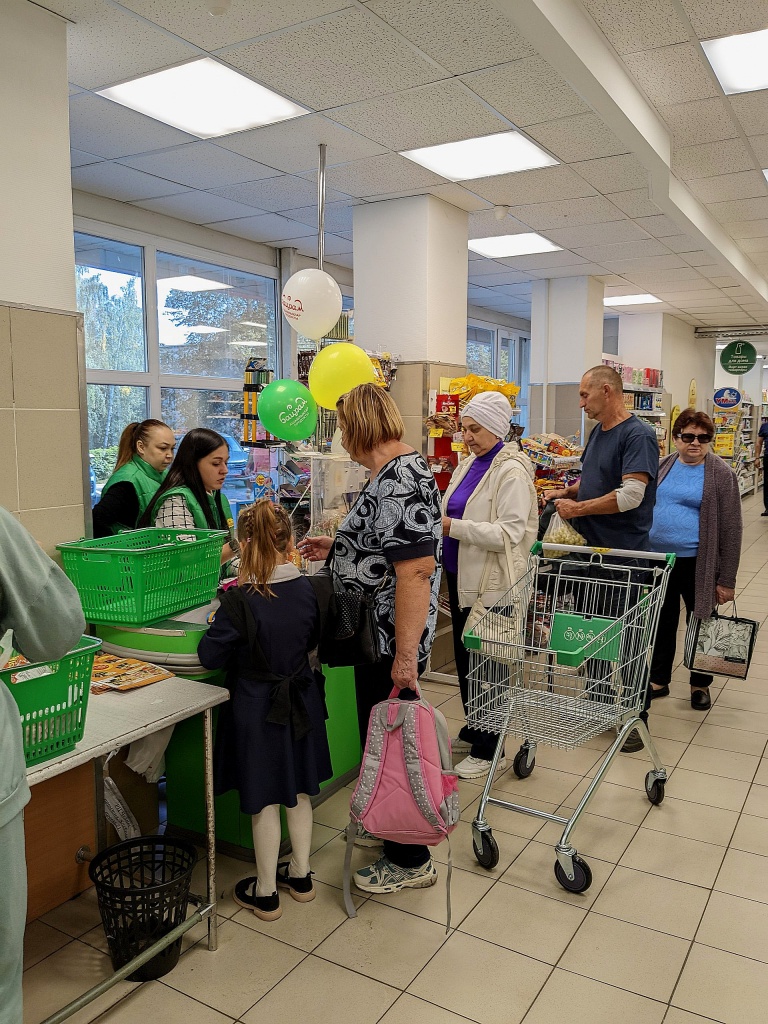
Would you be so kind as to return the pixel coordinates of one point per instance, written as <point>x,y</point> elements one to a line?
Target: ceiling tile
<point>759,144</point>
<point>740,209</point>
<point>659,226</point>
<point>335,245</point>
<point>661,278</point>
<point>535,186</point>
<point>751,108</point>
<point>338,216</point>
<point>496,275</point>
<point>672,74</point>
<point>684,244</point>
<point>598,234</point>
<point>121,183</point>
<point>100,126</point>
<point>343,260</point>
<point>743,185</point>
<point>613,173</point>
<point>79,159</point>
<point>462,35</point>
<point>292,146</point>
<point>484,224</point>
<point>431,114</point>
<point>264,228</point>
<point>631,26</point>
<point>712,158</point>
<point>634,203</point>
<point>747,228</point>
<point>198,207</point>
<point>458,195</point>
<point>623,251</point>
<point>275,194</point>
<point>348,57</point>
<point>545,260</point>
<point>582,270</point>
<point>378,176</point>
<point>566,213</point>
<point>244,19</point>
<point>107,45</point>
<point>709,120</point>
<point>201,165</point>
<point>649,263</point>
<point>722,281</point>
<point>750,245</point>
<point>581,137</point>
<point>711,18</point>
<point>527,91</point>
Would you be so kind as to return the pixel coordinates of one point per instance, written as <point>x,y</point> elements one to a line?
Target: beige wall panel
<point>408,388</point>
<point>414,428</point>
<point>49,458</point>
<point>44,348</point>
<point>9,488</point>
<point>6,377</point>
<point>52,526</point>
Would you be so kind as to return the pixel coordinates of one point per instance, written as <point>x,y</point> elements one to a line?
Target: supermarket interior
<point>228,214</point>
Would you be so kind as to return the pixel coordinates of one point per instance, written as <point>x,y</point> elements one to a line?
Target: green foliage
<point>103,462</point>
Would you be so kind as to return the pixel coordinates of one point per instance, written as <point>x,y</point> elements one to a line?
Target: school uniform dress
<point>271,741</point>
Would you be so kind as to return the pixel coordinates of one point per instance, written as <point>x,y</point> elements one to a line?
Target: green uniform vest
<point>194,506</point>
<point>145,481</point>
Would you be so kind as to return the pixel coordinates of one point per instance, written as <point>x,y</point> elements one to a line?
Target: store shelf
<point>644,388</point>
<point>647,412</point>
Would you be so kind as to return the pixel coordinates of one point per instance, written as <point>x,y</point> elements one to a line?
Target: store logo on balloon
<point>294,413</point>
<point>292,308</point>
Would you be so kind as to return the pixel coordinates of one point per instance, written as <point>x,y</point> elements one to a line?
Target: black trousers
<point>682,584</point>
<point>483,743</point>
<point>373,683</point>
<point>765,480</point>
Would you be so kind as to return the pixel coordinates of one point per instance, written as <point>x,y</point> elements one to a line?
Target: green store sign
<point>738,357</point>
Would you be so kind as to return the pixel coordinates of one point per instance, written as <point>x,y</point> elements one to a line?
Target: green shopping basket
<point>52,697</point>
<point>140,576</point>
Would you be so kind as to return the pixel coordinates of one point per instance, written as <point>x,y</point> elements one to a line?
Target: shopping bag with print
<point>720,645</point>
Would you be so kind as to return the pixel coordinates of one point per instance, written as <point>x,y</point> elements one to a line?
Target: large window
<point>481,343</point>
<point>494,351</point>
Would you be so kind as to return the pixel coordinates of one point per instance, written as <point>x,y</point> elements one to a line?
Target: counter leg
<point>210,827</point>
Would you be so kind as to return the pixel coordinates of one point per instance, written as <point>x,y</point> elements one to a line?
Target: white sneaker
<point>366,838</point>
<point>458,745</point>
<point>384,876</point>
<point>477,767</point>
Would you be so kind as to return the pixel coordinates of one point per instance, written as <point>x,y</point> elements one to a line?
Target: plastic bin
<point>140,576</point>
<point>52,697</point>
<point>142,886</point>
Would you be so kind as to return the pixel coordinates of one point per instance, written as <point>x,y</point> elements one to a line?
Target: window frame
<point>520,347</point>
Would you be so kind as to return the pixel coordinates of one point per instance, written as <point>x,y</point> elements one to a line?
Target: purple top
<point>458,502</point>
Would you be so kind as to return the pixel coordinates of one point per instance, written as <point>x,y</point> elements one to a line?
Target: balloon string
<point>321,207</point>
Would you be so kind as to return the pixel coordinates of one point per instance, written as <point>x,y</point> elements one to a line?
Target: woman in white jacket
<point>489,524</point>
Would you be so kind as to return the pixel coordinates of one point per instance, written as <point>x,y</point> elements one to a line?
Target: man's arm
<point>412,594</point>
<point>607,505</point>
<point>562,492</point>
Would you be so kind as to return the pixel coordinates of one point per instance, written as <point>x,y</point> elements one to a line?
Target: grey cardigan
<point>720,527</point>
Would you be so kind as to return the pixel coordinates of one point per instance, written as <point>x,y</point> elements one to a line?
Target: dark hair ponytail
<point>183,472</point>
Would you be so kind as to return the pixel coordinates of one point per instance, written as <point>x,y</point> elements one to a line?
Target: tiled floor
<point>674,928</point>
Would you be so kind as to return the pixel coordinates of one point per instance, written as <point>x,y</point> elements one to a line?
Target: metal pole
<point>210,827</point>
<point>321,207</point>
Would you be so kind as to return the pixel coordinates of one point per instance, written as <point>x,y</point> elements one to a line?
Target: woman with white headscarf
<point>489,524</point>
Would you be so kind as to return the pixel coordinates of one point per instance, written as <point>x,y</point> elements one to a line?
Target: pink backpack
<point>407,790</point>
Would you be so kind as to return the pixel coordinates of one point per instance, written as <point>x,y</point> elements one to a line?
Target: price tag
<point>435,432</point>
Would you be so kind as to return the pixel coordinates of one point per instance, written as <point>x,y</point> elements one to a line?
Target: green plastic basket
<point>141,576</point>
<point>52,697</point>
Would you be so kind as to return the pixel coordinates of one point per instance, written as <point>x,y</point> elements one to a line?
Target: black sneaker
<point>632,743</point>
<point>265,907</point>
<point>301,889</point>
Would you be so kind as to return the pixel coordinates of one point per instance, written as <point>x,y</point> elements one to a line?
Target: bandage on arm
<point>630,494</point>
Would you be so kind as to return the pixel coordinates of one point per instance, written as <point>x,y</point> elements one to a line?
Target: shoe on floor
<point>460,746</point>
<point>477,767</point>
<point>384,876</point>
<point>301,889</point>
<point>764,513</point>
<point>700,700</point>
<point>366,839</point>
<point>632,743</point>
<point>659,691</point>
<point>265,907</point>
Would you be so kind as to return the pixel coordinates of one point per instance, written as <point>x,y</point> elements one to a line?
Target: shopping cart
<point>563,657</point>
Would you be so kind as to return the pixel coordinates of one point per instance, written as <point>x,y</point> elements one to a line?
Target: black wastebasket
<point>142,886</point>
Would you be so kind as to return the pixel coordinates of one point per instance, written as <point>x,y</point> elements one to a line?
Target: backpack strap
<point>349,905</point>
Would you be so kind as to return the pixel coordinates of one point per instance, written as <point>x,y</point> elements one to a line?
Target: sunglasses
<point>690,438</point>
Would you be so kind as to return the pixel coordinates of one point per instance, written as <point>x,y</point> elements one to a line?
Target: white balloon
<point>311,303</point>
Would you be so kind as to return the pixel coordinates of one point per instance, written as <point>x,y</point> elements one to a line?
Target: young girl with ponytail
<point>271,743</point>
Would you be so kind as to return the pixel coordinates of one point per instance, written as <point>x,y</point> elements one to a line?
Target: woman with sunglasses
<point>698,517</point>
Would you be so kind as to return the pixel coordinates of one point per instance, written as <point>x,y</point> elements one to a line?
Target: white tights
<point>266,842</point>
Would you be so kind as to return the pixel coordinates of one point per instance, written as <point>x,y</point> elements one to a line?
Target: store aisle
<point>674,928</point>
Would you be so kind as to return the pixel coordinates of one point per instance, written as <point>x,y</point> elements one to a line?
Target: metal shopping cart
<point>563,657</point>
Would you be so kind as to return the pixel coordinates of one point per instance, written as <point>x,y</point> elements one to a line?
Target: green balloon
<point>287,410</point>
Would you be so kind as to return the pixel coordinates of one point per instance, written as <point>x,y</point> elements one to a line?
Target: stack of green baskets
<point>140,576</point>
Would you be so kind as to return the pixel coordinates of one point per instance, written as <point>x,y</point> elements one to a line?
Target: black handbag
<point>350,633</point>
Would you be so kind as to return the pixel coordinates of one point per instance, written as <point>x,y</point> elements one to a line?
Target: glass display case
<point>318,489</point>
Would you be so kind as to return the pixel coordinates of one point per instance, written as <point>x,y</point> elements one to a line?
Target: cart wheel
<point>520,765</point>
<point>488,854</point>
<point>654,788</point>
<point>582,876</point>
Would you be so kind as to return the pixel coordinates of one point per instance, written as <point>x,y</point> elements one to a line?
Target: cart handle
<point>575,549</point>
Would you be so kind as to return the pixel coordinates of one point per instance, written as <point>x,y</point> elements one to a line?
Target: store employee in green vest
<point>144,454</point>
<point>190,496</point>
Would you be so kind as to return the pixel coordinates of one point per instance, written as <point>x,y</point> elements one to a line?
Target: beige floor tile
<point>617,953</point>
<point>512,822</point>
<point>544,784</point>
<point>328,863</point>
<point>229,871</point>
<point>742,701</point>
<point>316,992</point>
<point>534,869</point>
<point>620,802</point>
<point>470,792</point>
<point>676,707</point>
<point>670,751</point>
<point>509,983</point>
<point>155,1001</point>
<point>96,936</point>
<point>726,763</point>
<point>467,889</point>
<point>664,727</point>
<point>463,854</point>
<point>712,790</point>
<point>409,1009</point>
<point>755,681</point>
<point>744,874</point>
<point>384,943</point>
<point>722,986</point>
<point>77,916</point>
<point>243,968</point>
<point>453,708</point>
<point>685,860</point>
<point>575,762</point>
<point>40,940</point>
<point>729,739</point>
<point>653,902</point>
<point>573,999</point>
<point>736,925</point>
<point>525,922</point>
<point>628,771</point>
<point>321,834</point>
<point>677,1016</point>
<point>594,835</point>
<point>730,718</point>
<point>334,812</point>
<point>303,925</point>
<point>601,742</point>
<point>751,835</point>
<point>757,801</point>
<point>761,778</point>
<point>692,821</point>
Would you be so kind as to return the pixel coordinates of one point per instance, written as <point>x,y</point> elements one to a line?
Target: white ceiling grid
<point>389,75</point>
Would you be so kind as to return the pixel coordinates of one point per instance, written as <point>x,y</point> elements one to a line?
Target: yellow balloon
<point>337,369</point>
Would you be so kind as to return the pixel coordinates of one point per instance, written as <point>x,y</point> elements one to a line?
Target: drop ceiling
<point>389,75</point>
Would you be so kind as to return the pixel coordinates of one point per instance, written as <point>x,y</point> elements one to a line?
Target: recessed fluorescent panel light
<point>503,153</point>
<point>629,300</point>
<point>204,98</point>
<point>740,62</point>
<point>191,283</point>
<point>524,244</point>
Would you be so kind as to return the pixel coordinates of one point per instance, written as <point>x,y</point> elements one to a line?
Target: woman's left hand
<point>447,526</point>
<point>724,594</point>
<point>405,672</point>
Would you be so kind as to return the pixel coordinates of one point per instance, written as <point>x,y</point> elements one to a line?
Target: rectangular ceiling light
<point>483,157</point>
<point>204,98</point>
<point>524,244</point>
<point>192,283</point>
<point>740,62</point>
<point>629,300</point>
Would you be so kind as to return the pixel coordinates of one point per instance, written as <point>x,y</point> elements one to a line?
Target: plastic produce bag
<point>560,531</point>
